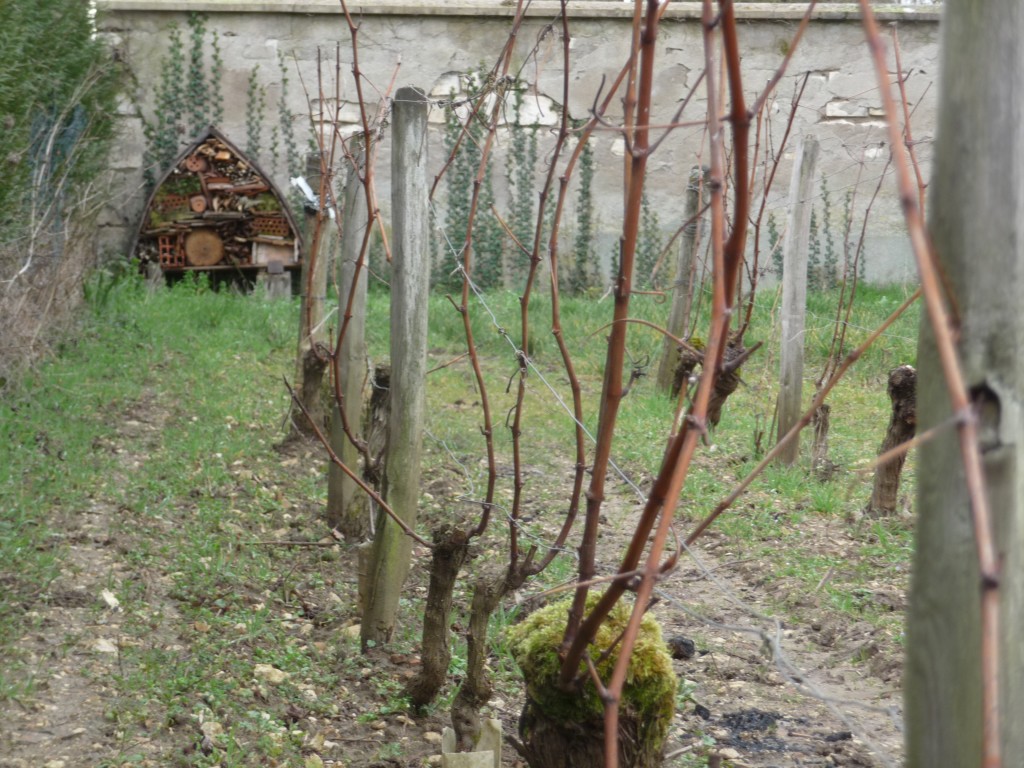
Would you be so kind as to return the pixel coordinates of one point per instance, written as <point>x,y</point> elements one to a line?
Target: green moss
<point>181,184</point>
<point>266,202</point>
<point>649,692</point>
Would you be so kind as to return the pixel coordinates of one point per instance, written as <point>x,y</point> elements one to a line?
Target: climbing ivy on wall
<point>197,96</point>
<point>649,245</point>
<point>497,260</point>
<point>292,157</point>
<point>255,113</point>
<point>216,76</point>
<point>163,130</point>
<point>189,98</point>
<point>487,234</point>
<point>458,186</point>
<point>585,273</point>
<point>520,176</point>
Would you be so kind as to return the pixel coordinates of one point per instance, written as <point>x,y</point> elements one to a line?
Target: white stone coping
<point>501,8</point>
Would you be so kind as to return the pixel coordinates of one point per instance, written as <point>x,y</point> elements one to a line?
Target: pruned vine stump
<point>902,425</point>
<point>824,467</point>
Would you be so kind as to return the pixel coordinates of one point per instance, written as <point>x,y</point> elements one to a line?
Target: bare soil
<point>776,677</point>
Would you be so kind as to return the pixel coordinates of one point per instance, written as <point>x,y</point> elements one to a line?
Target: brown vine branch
<point>336,460</point>
<point>575,639</point>
<point>556,324</point>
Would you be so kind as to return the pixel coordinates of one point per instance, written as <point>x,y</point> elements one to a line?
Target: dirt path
<point>775,676</point>
<point>774,693</point>
<point>74,648</point>
<point>828,694</point>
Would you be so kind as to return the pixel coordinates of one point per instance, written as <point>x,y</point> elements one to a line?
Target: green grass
<point>771,512</point>
<point>53,425</point>
<point>204,483</point>
<point>209,366</point>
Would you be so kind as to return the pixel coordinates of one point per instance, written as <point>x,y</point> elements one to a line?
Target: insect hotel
<point>216,211</point>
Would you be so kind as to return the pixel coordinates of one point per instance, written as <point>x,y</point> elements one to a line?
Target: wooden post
<point>347,505</point>
<point>794,295</point>
<point>311,364</point>
<point>316,263</point>
<point>975,202</point>
<point>682,287</point>
<point>278,285</point>
<point>410,286</point>
<point>155,279</point>
<point>486,752</point>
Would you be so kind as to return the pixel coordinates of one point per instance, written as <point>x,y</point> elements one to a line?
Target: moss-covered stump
<point>565,729</point>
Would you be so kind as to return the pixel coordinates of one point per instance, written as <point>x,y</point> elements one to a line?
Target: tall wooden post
<point>312,366</point>
<point>976,218</point>
<point>410,285</point>
<point>794,295</point>
<point>347,505</point>
<point>682,285</point>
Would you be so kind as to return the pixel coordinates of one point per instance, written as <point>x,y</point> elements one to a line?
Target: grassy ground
<point>784,500</point>
<point>159,418</point>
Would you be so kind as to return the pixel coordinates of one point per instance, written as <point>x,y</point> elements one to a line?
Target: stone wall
<point>430,44</point>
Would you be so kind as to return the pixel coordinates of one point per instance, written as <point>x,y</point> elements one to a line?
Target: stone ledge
<point>580,9</point>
